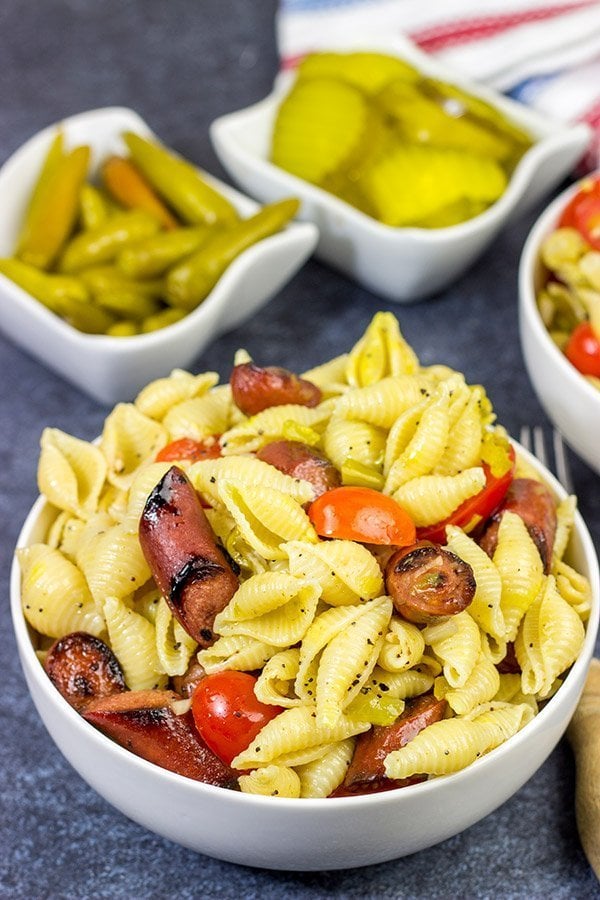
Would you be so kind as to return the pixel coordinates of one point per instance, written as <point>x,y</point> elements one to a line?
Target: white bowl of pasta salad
<point>559,316</point>
<point>323,632</point>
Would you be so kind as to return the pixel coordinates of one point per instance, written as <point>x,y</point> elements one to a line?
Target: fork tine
<point>525,437</point>
<point>539,445</point>
<point>562,466</point>
<point>532,439</point>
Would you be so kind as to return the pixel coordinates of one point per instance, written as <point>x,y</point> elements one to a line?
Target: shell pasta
<point>346,626</point>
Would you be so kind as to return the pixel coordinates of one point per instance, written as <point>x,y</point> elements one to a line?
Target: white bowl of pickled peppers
<point>107,329</point>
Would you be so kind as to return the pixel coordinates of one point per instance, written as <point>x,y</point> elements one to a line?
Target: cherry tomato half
<point>583,350</point>
<point>583,212</point>
<point>227,713</point>
<point>361,514</point>
<point>187,448</point>
<point>476,509</point>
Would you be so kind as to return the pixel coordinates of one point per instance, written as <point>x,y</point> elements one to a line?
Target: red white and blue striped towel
<point>545,53</point>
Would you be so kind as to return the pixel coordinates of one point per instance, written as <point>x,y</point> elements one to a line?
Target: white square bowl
<point>401,264</point>
<point>115,368</point>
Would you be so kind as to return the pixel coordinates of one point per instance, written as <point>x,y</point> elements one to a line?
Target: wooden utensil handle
<point>584,735</point>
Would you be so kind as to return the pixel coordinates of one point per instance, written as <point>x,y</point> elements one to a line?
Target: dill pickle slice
<point>369,72</point>
<point>414,183</point>
<point>429,119</point>
<point>321,127</point>
<point>480,112</point>
<point>453,214</point>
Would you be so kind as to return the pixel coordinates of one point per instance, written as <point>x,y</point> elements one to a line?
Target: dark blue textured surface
<point>180,64</point>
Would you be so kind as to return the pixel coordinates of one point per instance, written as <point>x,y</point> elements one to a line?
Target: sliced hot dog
<point>187,683</point>
<point>255,388</point>
<point>82,668</point>
<point>533,502</point>
<point>427,580</point>
<point>188,565</point>
<point>301,461</point>
<point>145,723</point>
<point>366,772</point>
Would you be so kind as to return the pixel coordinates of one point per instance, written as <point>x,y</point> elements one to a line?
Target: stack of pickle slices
<point>406,149</point>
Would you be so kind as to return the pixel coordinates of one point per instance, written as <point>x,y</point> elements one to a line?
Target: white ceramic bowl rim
<point>308,806</point>
<point>546,223</point>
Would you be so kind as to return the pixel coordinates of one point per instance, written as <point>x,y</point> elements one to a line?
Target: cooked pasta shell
<point>209,475</point>
<point>294,737</point>
<point>113,563</point>
<point>71,472</point>
<point>457,643</point>
<point>463,449</point>
<point>403,646</point>
<point>549,640</point>
<point>380,352</point>
<point>426,447</point>
<point>174,646</point>
<point>271,781</point>
<point>133,641</point>
<point>129,440</point>
<point>521,570</point>
<point>346,571</point>
<point>348,659</point>
<point>158,397</point>
<point>345,439</point>
<point>269,425</point>
<point>266,518</point>
<point>198,417</point>
<point>322,776</point>
<point>452,744</point>
<point>142,485</point>
<point>485,606</point>
<point>565,517</point>
<point>480,687</point>
<point>330,377</point>
<point>574,588</point>
<point>400,685</point>
<point>55,597</point>
<point>288,607</point>
<point>275,684</point>
<point>381,403</point>
<point>433,498</point>
<point>236,651</point>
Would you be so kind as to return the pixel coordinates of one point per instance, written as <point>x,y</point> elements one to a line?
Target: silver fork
<point>532,438</point>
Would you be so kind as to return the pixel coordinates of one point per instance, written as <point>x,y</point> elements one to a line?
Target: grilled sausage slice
<point>301,461</point>
<point>146,723</point>
<point>255,388</point>
<point>83,668</point>
<point>180,547</point>
<point>426,581</point>
<point>533,502</point>
<point>366,772</point>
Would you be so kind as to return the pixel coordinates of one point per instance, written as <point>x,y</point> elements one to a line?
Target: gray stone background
<point>180,64</point>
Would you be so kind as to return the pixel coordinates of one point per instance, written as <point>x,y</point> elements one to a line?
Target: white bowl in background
<point>110,368</point>
<point>401,264</point>
<point>569,400</point>
<point>303,835</point>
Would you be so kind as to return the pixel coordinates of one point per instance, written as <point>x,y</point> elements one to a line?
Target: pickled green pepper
<point>55,212</point>
<point>190,282</point>
<point>100,245</point>
<point>179,183</point>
